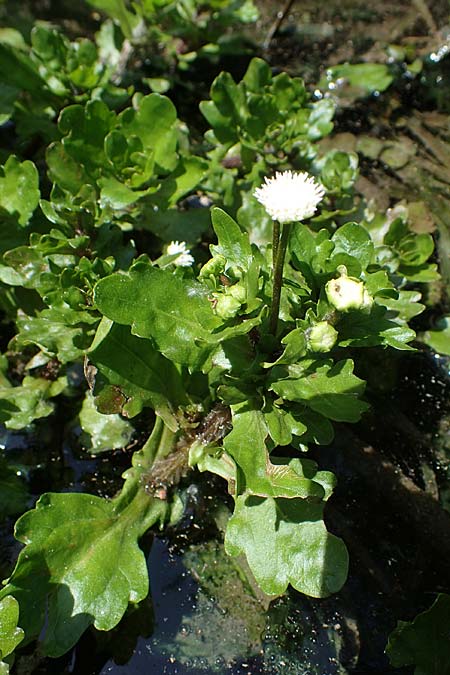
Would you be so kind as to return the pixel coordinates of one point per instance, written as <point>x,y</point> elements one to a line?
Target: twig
<point>275,27</point>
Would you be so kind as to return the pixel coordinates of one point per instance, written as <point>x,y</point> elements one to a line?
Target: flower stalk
<point>278,277</point>
<point>275,241</point>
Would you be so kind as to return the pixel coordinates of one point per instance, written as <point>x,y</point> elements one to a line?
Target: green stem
<point>275,241</point>
<point>278,278</point>
<point>159,444</point>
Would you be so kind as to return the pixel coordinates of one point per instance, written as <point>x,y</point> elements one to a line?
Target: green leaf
<point>255,220</point>
<point>286,542</point>
<point>406,305</point>
<point>246,444</point>
<point>153,121</point>
<point>320,120</point>
<point>117,195</point>
<point>140,374</point>
<point>311,252</point>
<point>339,171</point>
<point>175,225</point>
<point>19,406</point>
<point>19,188</point>
<point>63,169</point>
<point>13,491</point>
<point>233,244</point>
<point>354,240</point>
<point>185,178</point>
<point>439,338</point>
<point>295,348</point>
<point>175,313</point>
<point>18,70</point>
<point>81,565</point>
<point>368,330</point>
<point>10,634</point>
<point>424,642</point>
<point>228,97</point>
<point>117,10</point>
<point>222,125</point>
<point>369,77</point>
<point>58,332</point>
<point>84,129</point>
<point>329,389</point>
<point>319,428</point>
<point>281,424</point>
<point>258,75</point>
<point>102,432</point>
<point>8,97</point>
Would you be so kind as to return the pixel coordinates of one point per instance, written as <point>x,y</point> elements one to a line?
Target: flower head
<point>184,258</point>
<point>347,292</point>
<point>290,196</point>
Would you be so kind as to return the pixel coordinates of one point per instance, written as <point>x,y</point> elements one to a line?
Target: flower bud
<point>227,307</point>
<point>238,292</point>
<point>348,293</point>
<point>214,266</point>
<point>322,337</point>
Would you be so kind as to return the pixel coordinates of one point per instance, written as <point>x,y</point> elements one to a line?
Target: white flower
<point>289,196</point>
<point>184,258</point>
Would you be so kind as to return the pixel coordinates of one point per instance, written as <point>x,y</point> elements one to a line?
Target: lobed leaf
<point>329,389</point>
<point>102,432</point>
<point>81,565</point>
<point>286,542</point>
<point>424,642</point>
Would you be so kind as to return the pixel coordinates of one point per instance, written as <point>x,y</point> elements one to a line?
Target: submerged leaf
<point>424,642</point>
<point>102,432</point>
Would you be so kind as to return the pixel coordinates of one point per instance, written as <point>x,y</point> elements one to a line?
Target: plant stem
<point>159,444</point>
<point>278,278</point>
<point>275,241</point>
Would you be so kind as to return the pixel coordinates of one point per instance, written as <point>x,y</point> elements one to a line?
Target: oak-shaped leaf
<point>174,313</point>
<point>286,542</point>
<point>81,565</point>
<point>21,405</point>
<point>424,642</point>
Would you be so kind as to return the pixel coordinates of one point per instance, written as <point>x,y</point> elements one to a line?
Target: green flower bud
<point>238,292</point>
<point>213,267</point>
<point>227,307</point>
<point>322,337</point>
<point>348,293</point>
